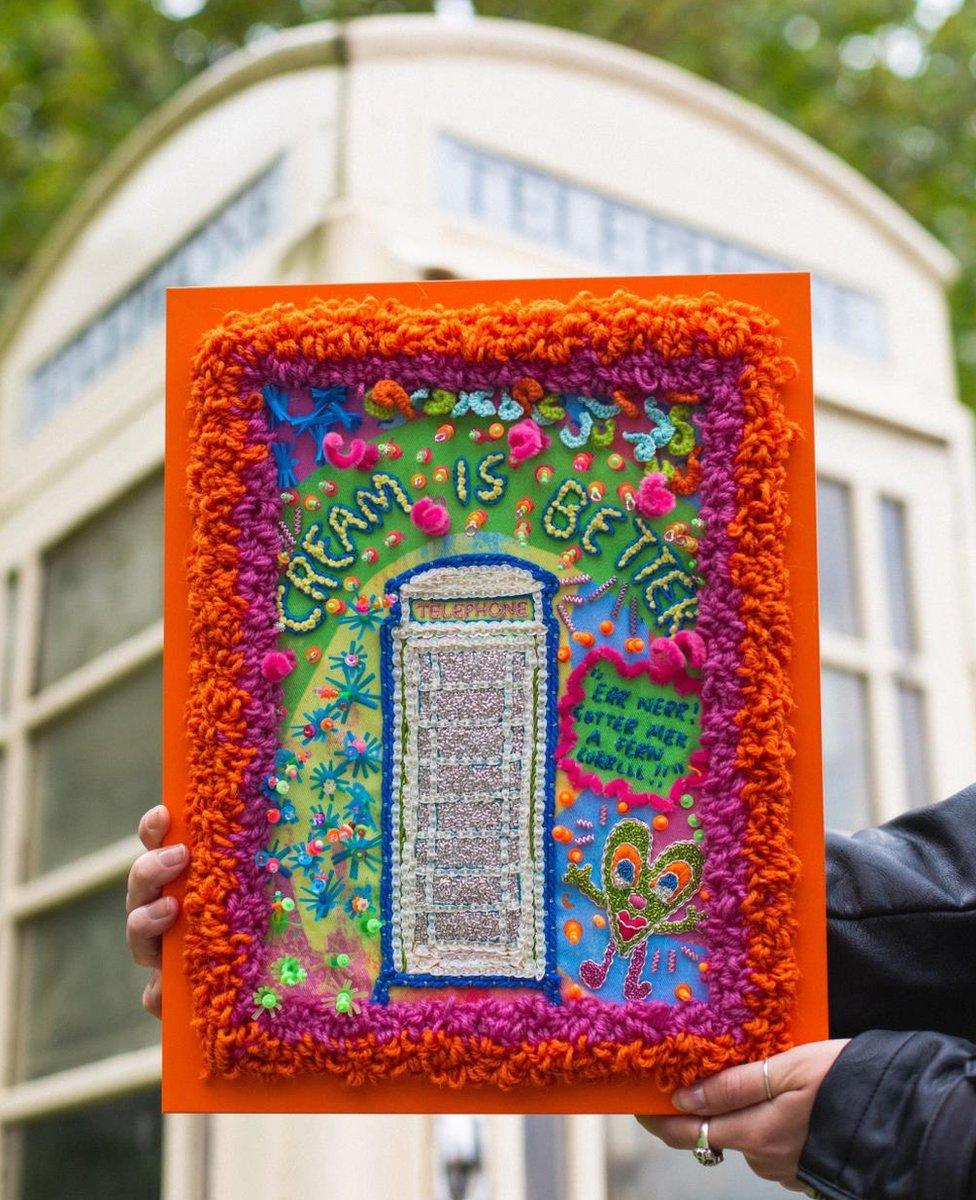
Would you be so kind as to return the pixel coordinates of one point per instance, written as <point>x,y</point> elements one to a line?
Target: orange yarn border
<point>538,332</point>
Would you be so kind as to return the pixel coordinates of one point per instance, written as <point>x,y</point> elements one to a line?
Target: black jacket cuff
<point>895,1119</point>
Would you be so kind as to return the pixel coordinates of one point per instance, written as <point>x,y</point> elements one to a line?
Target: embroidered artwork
<point>489,722</point>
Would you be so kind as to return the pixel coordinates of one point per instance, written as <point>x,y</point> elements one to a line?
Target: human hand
<point>770,1133</point>
<point>148,912</point>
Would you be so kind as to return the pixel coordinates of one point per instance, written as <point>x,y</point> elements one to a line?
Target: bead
<point>683,992</point>
<point>687,800</point>
<point>627,496</point>
<point>418,481</point>
<point>543,474</point>
<point>584,637</point>
<point>599,921</point>
<point>329,487</point>
<point>390,450</point>
<point>606,628</point>
<point>575,855</point>
<point>616,462</point>
<point>703,967</point>
<point>312,503</point>
<point>583,461</point>
<point>351,583</point>
<point>622,806</point>
<point>288,497</point>
<point>341,961</point>
<point>694,821</point>
<point>699,835</point>
<point>444,432</point>
<point>563,654</point>
<point>335,605</point>
<point>524,507</point>
<point>441,474</point>
<point>475,521</point>
<point>634,645</point>
<point>660,821</point>
<point>597,489</point>
<point>566,798</point>
<point>343,1002</point>
<point>393,538</point>
<point>704,895</point>
<point>282,787</point>
<point>273,815</point>
<point>313,654</point>
<point>561,834</point>
<point>573,992</point>
<point>573,931</point>
<point>288,905</point>
<point>424,456</point>
<point>496,431</point>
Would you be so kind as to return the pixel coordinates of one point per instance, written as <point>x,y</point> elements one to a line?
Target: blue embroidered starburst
<point>361,622</point>
<point>302,859</point>
<point>313,730</point>
<point>358,851</point>
<point>358,808</point>
<point>359,900</point>
<point>363,753</point>
<point>326,777</point>
<point>323,895</point>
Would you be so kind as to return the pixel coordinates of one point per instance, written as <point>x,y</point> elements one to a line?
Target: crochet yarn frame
<point>491,703</point>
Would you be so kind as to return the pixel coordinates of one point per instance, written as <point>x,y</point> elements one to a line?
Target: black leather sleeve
<point>901,923</point>
<point>895,1118</point>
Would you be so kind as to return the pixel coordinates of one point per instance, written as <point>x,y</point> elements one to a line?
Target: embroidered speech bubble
<point>630,731</point>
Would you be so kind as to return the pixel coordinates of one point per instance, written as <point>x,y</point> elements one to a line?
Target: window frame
<point>873,654</point>
<point>184,1136</point>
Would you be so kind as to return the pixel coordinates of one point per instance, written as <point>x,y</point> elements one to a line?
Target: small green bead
<point>288,904</point>
<point>343,1002</point>
<point>694,821</point>
<point>282,787</point>
<point>269,1000</point>
<point>699,835</point>
<point>686,800</point>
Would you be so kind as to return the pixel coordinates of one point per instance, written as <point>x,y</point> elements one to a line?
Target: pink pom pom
<point>666,659</point>
<point>276,664</point>
<point>692,646</point>
<point>344,459</point>
<point>654,498</point>
<point>525,440</point>
<point>369,458</point>
<point>430,516</point>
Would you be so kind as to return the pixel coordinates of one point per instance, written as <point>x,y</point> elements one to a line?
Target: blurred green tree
<point>889,85</point>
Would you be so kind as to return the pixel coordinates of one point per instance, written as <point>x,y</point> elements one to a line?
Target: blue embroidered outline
<point>389,976</point>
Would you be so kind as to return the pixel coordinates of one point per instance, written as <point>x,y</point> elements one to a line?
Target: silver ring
<point>703,1152</point>
<point>767,1086</point>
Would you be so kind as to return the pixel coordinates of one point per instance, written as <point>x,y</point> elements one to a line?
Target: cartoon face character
<point>639,894</point>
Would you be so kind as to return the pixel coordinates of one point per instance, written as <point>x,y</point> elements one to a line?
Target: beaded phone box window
<point>489,718</point>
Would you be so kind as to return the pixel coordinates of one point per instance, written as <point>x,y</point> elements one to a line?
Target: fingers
<point>144,929</point>
<point>747,1130</point>
<point>152,996</point>
<point>153,827</point>
<point>151,872</point>
<point>728,1091</point>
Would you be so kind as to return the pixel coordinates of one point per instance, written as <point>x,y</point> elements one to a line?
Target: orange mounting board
<point>557,945</point>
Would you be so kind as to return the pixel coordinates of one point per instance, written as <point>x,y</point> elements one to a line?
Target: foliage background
<point>889,85</point>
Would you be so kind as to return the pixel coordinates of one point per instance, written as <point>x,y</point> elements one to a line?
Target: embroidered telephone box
<point>469,677</point>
